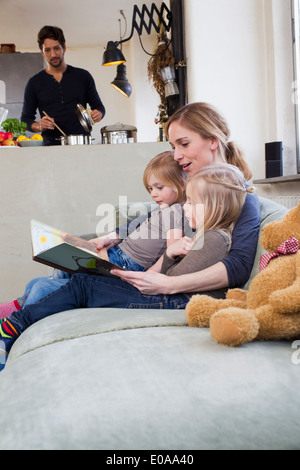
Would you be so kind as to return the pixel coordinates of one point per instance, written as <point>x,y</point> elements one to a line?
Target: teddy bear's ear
<point>275,233</point>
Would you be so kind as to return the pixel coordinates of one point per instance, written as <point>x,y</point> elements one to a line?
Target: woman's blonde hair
<point>208,122</point>
<point>222,191</point>
<point>168,172</point>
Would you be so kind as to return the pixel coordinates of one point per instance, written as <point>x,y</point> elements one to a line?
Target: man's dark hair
<point>51,32</point>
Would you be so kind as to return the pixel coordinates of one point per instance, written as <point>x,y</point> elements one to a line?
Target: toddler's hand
<point>180,248</point>
<point>100,242</point>
<point>106,241</point>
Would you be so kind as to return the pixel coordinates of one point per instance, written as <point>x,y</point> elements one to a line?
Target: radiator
<point>287,201</point>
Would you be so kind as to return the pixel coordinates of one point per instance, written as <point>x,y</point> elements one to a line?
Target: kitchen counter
<point>62,186</point>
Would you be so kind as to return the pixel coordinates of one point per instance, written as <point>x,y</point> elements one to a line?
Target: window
<point>296,84</point>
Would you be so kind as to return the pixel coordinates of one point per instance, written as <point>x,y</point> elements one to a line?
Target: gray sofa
<point>143,379</point>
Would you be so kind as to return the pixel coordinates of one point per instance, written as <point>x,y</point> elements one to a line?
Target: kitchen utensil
<point>118,133</point>
<point>76,140</point>
<point>84,118</point>
<point>168,76</point>
<point>30,143</point>
<point>57,127</point>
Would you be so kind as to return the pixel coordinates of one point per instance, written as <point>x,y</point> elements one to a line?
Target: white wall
<point>146,100</point>
<point>279,59</point>
<point>239,55</point>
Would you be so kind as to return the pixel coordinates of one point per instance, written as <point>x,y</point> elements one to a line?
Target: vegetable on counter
<point>15,127</point>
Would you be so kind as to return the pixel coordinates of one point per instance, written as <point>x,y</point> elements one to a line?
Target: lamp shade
<point>112,55</point>
<point>121,82</point>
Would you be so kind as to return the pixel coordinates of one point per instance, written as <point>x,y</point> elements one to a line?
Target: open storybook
<point>66,252</point>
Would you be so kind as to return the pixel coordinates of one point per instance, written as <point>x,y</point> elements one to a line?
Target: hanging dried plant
<point>162,57</point>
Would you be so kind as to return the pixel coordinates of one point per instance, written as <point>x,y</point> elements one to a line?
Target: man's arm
<point>94,100</point>
<point>30,105</point>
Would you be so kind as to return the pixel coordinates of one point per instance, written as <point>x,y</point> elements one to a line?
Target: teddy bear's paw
<point>199,310</point>
<point>237,294</point>
<point>286,301</point>
<point>201,307</point>
<point>274,326</point>
<point>234,326</point>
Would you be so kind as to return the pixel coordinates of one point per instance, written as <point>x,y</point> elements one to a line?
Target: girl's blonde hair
<point>208,122</point>
<point>168,172</point>
<point>222,190</point>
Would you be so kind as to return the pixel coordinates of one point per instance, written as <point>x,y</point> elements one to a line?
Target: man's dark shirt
<point>59,100</point>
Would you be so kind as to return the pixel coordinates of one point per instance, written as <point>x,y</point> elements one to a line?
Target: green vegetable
<point>14,126</point>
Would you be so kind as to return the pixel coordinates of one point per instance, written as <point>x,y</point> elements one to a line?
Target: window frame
<point>295,7</point>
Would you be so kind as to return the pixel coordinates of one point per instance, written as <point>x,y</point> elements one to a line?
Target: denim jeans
<point>118,257</point>
<point>88,291</point>
<point>39,287</point>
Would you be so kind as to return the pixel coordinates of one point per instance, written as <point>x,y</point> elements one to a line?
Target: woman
<point>200,136</point>
<point>215,198</point>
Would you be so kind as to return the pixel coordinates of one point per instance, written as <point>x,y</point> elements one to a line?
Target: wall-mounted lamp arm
<point>138,20</point>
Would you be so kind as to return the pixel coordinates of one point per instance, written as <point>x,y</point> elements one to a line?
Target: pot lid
<point>84,118</point>
<point>118,127</point>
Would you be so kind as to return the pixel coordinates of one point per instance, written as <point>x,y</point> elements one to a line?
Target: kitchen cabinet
<point>15,71</point>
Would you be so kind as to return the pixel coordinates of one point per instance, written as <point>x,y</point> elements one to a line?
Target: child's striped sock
<point>7,330</point>
<point>8,335</point>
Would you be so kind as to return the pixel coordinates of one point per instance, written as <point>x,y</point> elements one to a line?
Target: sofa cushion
<point>87,322</point>
<point>143,380</point>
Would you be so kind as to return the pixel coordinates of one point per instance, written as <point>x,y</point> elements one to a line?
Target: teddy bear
<point>270,309</point>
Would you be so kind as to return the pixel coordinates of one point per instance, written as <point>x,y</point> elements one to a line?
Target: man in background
<point>57,90</point>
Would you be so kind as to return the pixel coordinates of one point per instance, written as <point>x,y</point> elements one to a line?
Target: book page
<point>44,237</point>
<point>67,252</point>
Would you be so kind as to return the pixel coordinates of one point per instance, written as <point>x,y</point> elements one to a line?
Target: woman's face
<point>191,151</point>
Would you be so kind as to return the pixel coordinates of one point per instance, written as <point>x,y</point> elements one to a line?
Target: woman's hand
<point>149,282</point>
<point>180,248</point>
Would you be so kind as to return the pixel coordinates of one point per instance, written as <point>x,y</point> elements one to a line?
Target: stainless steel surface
<point>84,118</point>
<point>168,76</point>
<point>76,140</point>
<point>87,140</point>
<point>118,134</point>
